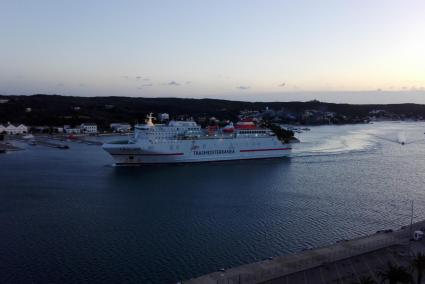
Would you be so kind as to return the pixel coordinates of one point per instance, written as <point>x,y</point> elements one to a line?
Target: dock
<point>89,142</point>
<point>8,147</point>
<point>56,141</point>
<point>343,262</point>
<point>80,139</point>
<point>43,141</point>
<point>51,144</point>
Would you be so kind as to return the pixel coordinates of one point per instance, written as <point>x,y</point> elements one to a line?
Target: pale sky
<point>359,51</point>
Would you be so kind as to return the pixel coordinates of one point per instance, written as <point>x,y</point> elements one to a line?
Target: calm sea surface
<point>69,216</point>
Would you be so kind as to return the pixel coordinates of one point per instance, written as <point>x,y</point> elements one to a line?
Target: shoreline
<point>279,269</point>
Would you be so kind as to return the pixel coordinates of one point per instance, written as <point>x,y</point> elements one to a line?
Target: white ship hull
<point>193,151</point>
<point>186,142</point>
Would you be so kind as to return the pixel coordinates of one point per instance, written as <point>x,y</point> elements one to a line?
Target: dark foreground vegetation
<point>394,274</point>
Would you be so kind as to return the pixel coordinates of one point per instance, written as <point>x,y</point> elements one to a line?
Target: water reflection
<point>165,223</point>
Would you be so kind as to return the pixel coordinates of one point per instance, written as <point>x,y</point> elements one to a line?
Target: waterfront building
<point>12,129</point>
<point>40,129</point>
<point>73,131</point>
<point>21,129</point>
<point>120,127</point>
<point>89,128</point>
<point>70,130</point>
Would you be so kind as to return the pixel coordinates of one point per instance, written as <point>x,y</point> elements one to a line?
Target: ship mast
<point>149,121</point>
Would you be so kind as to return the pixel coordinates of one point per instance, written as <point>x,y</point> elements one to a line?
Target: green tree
<point>395,274</point>
<point>282,134</point>
<point>418,263</point>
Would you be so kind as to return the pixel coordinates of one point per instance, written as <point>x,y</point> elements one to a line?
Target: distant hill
<point>59,110</point>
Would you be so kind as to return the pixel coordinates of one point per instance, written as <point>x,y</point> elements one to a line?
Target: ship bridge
<point>170,131</point>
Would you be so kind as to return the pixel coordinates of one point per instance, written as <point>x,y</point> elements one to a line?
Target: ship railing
<point>122,142</point>
<point>203,137</point>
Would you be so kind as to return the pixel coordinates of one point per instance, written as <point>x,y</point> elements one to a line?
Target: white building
<point>20,129</point>
<point>72,130</point>
<point>69,130</point>
<point>12,129</point>
<point>89,128</point>
<point>163,117</point>
<point>120,127</point>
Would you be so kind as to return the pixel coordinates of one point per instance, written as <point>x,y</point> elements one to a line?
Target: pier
<point>89,142</point>
<point>79,139</point>
<point>8,147</point>
<point>51,144</point>
<point>52,141</point>
<point>40,140</point>
<point>343,262</point>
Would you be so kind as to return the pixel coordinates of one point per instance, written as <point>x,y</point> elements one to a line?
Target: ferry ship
<point>187,142</point>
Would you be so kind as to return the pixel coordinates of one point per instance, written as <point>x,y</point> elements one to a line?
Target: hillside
<point>59,110</point>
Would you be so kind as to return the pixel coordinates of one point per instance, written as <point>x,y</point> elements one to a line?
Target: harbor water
<point>70,216</point>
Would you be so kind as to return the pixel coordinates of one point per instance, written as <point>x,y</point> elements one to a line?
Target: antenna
<point>411,223</point>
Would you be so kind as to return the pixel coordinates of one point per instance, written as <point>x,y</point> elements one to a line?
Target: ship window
<point>131,157</point>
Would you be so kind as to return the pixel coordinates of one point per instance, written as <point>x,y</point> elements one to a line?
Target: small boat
<point>63,147</point>
<point>2,151</point>
<point>32,143</point>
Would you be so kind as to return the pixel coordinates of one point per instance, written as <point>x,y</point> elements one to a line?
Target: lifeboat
<point>212,129</point>
<point>246,123</point>
<point>229,128</point>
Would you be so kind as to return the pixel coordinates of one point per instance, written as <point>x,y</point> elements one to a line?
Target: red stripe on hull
<point>159,154</point>
<point>259,150</point>
<point>198,162</point>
